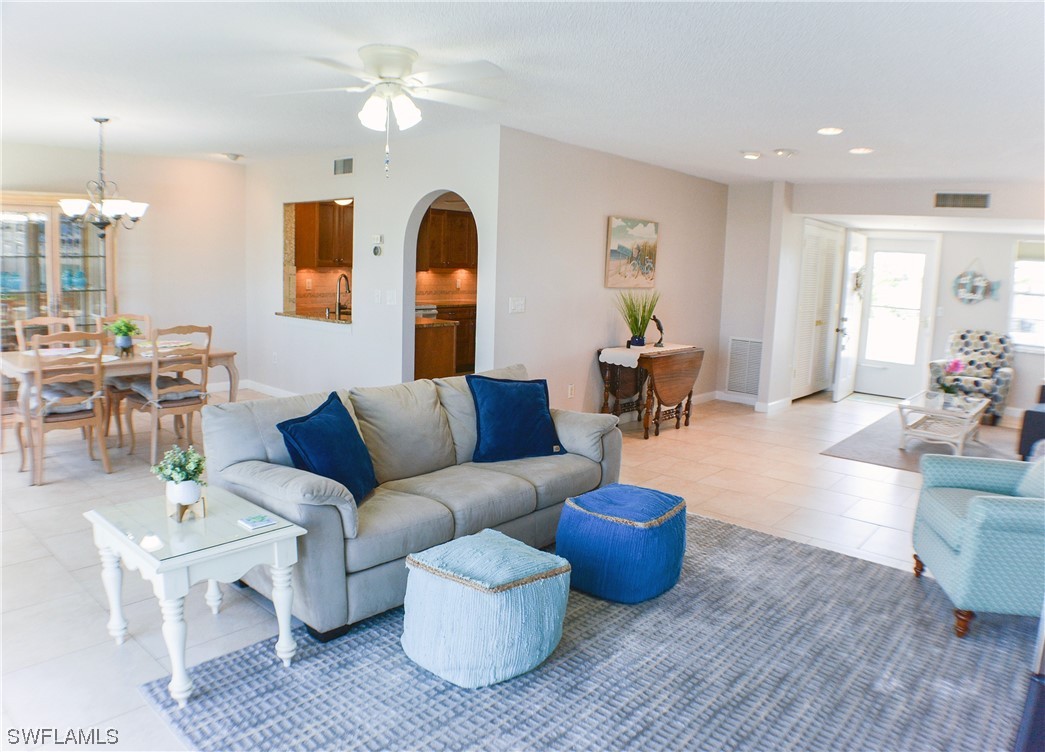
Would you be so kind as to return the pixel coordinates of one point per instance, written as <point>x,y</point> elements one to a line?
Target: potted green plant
<point>637,310</point>
<point>122,331</point>
<point>182,469</point>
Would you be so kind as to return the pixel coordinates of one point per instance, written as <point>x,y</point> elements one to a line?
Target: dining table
<point>20,365</point>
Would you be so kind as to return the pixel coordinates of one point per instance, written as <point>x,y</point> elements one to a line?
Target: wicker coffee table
<point>941,419</point>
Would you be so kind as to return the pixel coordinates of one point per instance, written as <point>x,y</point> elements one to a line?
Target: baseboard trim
<point>272,391</point>
<point>1012,417</point>
<point>772,407</point>
<point>743,399</point>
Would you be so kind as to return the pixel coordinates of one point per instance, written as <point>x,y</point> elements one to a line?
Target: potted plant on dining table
<point>122,331</point>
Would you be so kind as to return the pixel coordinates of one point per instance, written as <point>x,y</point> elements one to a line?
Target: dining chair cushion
<point>123,383</point>
<point>144,388</point>
<point>54,392</point>
<point>326,442</point>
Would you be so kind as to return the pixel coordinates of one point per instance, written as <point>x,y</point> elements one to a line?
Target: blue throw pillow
<point>512,419</point>
<point>326,442</point>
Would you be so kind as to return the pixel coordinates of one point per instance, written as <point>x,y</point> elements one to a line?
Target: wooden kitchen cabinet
<point>322,235</point>
<point>435,349</point>
<point>465,316</point>
<point>447,240</point>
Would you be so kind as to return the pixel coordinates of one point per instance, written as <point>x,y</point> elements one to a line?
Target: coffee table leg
<point>174,632</point>
<point>213,596</point>
<point>283,599</point>
<point>112,578</point>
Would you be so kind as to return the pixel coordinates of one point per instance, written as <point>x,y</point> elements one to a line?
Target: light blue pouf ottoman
<point>483,608</point>
<point>625,543</point>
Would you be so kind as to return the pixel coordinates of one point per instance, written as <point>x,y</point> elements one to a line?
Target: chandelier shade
<point>102,208</point>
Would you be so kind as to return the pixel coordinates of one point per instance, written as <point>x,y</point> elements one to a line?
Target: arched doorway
<point>445,289</point>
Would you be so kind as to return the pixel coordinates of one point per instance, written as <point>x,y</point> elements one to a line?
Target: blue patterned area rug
<point>765,644</point>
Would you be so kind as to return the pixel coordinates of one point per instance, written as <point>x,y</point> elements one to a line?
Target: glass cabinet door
<point>24,269</point>
<point>82,273</point>
<point>50,266</point>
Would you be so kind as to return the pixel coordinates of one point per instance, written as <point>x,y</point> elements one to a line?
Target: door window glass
<point>895,311</point>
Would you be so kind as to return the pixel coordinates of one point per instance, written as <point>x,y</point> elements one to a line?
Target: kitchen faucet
<point>337,294</point>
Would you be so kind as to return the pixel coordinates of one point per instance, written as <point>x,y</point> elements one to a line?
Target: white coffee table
<point>174,556</point>
<point>941,419</point>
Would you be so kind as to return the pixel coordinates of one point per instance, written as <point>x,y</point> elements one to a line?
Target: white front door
<point>850,322</point>
<point>901,281</point>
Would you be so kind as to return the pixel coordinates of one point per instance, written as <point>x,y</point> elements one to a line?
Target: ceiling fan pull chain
<point>387,128</point>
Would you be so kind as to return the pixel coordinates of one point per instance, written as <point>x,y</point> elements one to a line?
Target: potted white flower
<point>182,469</point>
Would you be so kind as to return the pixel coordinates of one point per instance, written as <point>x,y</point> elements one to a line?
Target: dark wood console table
<point>668,373</point>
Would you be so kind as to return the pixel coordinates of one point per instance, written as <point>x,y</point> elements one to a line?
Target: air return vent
<point>963,200</point>
<point>745,361</point>
<point>343,166</point>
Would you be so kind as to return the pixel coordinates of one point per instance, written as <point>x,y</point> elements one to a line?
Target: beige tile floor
<point>60,668</point>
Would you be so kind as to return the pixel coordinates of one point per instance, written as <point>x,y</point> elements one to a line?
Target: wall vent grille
<point>963,201</point>
<point>745,362</point>
<point>343,166</point>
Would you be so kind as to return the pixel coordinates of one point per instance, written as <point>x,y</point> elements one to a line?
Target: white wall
<point>377,348</point>
<point>994,255</point>
<point>745,267</point>
<point>183,263</point>
<point>1019,201</point>
<point>555,201</point>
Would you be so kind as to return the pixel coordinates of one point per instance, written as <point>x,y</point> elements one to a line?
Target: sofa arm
<point>612,446</point>
<point>286,487</point>
<point>581,433</point>
<point>977,473</point>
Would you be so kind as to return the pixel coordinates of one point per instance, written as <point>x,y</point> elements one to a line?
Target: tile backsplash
<point>324,282</point>
<point>436,286</point>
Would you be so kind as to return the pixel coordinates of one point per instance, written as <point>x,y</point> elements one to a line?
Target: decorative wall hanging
<point>631,252</point>
<point>972,286</point>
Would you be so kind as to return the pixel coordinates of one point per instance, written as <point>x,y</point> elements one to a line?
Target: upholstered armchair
<point>987,372</point>
<point>980,529</point>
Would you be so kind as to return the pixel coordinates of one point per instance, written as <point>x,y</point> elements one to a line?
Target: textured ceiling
<point>941,91</point>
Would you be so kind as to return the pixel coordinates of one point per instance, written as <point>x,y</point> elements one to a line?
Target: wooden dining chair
<point>23,332</point>
<point>164,394</point>
<point>53,324</point>
<point>118,387</point>
<point>66,393</point>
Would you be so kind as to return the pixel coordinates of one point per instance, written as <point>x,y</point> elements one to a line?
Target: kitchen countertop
<point>419,322</point>
<point>449,302</point>
<point>314,317</point>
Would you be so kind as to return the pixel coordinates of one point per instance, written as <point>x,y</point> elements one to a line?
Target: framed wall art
<point>631,252</point>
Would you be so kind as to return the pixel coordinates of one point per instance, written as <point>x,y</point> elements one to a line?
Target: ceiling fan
<point>388,72</point>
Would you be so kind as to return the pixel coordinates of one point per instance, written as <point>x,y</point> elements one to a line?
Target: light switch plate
<point>390,297</point>
<point>378,239</point>
<point>516,305</point>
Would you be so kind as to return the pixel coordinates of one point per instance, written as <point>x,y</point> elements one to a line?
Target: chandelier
<point>101,208</point>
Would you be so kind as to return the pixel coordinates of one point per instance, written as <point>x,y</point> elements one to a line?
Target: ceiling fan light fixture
<point>374,114</point>
<point>407,113</point>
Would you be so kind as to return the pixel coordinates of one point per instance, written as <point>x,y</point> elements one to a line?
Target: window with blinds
<point>1027,323</point>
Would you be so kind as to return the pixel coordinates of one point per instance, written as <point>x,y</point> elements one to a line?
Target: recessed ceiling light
<point>751,154</point>
<point>233,157</point>
<point>785,152</point>
<point>861,150</point>
<point>829,130</point>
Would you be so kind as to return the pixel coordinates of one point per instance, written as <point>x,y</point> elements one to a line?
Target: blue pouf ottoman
<point>625,543</point>
<point>483,608</point>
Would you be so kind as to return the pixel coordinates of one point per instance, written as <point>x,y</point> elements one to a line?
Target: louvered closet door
<point>817,317</point>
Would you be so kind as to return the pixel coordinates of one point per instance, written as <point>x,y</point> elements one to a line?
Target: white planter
<point>185,493</point>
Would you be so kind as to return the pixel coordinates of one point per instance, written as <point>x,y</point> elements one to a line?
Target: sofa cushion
<point>404,428</point>
<point>555,478</point>
<point>513,419</point>
<point>1033,483</point>
<point>326,442</point>
<point>456,398</point>
<point>393,524</point>
<point>946,510</point>
<point>476,497</point>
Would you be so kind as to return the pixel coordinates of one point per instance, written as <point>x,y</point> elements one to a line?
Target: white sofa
<point>420,436</point>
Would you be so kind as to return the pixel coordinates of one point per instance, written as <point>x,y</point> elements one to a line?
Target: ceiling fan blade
<point>456,98</point>
<point>349,89</point>
<point>362,75</point>
<point>459,72</point>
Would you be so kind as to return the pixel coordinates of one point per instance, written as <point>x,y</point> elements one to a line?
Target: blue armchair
<point>980,528</point>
